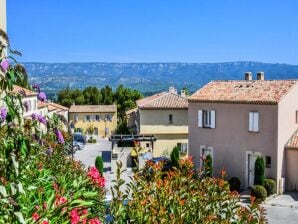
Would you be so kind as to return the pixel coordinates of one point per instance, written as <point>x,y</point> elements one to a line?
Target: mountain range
<point>148,77</point>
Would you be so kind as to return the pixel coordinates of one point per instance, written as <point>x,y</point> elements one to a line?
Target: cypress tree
<point>260,171</point>
<point>99,164</point>
<point>175,157</point>
<point>208,166</point>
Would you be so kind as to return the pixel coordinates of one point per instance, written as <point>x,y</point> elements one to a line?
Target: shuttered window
<point>206,118</point>
<point>253,121</point>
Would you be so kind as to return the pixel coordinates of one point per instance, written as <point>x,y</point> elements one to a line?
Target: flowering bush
<point>183,196</point>
<point>38,182</point>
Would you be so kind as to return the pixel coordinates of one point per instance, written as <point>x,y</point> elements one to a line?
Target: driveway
<point>282,209</point>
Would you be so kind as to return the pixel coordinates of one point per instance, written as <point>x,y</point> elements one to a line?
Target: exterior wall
<point>286,127</point>
<point>101,125</point>
<point>156,122</point>
<point>3,15</point>
<point>164,144</point>
<point>133,121</point>
<point>231,140</point>
<point>34,108</point>
<point>291,170</point>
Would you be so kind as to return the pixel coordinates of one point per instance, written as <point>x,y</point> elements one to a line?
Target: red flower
<point>74,216</point>
<point>45,222</point>
<point>94,221</point>
<point>95,176</point>
<point>60,200</point>
<point>35,216</point>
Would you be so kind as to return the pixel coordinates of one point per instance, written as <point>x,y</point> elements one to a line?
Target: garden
<point>40,183</point>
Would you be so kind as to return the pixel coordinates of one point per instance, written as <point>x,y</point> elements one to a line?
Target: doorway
<point>250,169</point>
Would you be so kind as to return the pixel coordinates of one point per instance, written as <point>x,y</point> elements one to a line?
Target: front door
<point>251,169</point>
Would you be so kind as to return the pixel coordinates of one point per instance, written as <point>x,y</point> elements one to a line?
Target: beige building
<point>163,115</point>
<point>102,119</point>
<point>236,121</point>
<point>3,15</point>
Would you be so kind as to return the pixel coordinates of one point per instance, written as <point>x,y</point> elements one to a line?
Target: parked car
<point>79,141</point>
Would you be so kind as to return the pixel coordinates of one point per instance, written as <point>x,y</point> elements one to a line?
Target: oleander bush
<point>39,183</point>
<point>270,186</point>
<point>259,192</point>
<point>234,184</point>
<point>183,196</point>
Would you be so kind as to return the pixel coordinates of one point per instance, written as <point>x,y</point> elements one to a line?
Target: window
<point>109,117</point>
<point>87,118</point>
<point>205,151</point>
<point>97,117</point>
<point>147,145</point>
<point>268,161</point>
<point>76,117</point>
<point>206,118</point>
<point>171,119</point>
<point>253,121</point>
<point>182,147</point>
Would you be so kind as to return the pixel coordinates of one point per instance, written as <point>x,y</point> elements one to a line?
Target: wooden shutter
<point>200,118</point>
<point>251,118</point>
<point>212,118</point>
<point>256,121</point>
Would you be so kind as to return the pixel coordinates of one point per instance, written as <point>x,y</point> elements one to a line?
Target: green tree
<point>107,95</point>
<point>99,164</point>
<point>175,157</point>
<point>92,95</point>
<point>260,171</point>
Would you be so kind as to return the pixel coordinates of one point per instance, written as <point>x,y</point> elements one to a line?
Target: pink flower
<point>60,200</point>
<point>35,216</point>
<point>94,221</point>
<point>45,222</point>
<point>4,64</point>
<point>95,176</point>
<point>74,216</point>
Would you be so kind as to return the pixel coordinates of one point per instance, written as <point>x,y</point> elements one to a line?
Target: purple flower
<point>4,64</point>
<point>42,120</point>
<point>34,116</point>
<point>42,96</point>
<point>3,113</point>
<point>36,86</point>
<point>59,136</point>
<point>22,92</point>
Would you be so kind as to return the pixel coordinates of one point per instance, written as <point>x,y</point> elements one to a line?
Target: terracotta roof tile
<point>92,108</point>
<point>57,106</point>
<point>251,92</point>
<point>164,100</point>
<point>293,141</point>
<point>41,104</point>
<point>28,92</point>
<point>149,98</point>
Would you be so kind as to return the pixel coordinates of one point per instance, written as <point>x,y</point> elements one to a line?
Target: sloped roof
<point>41,104</point>
<point>247,92</point>
<point>164,100</point>
<point>57,106</point>
<point>27,92</point>
<point>293,141</point>
<point>92,108</point>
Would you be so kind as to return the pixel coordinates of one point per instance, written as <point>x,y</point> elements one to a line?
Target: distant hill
<point>148,77</point>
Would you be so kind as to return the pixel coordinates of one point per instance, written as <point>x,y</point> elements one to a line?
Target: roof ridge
<point>161,94</point>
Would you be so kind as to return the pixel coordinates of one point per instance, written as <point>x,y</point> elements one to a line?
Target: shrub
<point>94,140</point>
<point>175,157</point>
<point>234,184</point>
<point>270,186</point>
<point>259,171</point>
<point>208,166</point>
<point>99,164</point>
<point>182,196</point>
<point>259,192</point>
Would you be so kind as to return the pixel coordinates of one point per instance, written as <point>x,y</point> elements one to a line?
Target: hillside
<point>148,77</point>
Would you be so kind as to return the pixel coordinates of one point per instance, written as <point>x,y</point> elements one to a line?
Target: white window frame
<point>254,121</point>
<point>206,118</point>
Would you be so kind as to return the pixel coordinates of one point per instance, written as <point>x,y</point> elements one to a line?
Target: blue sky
<point>154,30</point>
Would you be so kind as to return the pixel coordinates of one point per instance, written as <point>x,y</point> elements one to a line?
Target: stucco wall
<point>231,139</point>
<point>291,170</point>
<point>101,125</point>
<point>157,122</point>
<point>286,127</point>
<point>3,15</point>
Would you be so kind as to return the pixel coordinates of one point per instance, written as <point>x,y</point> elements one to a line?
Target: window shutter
<point>200,118</point>
<point>212,118</point>
<point>251,118</point>
<point>256,121</point>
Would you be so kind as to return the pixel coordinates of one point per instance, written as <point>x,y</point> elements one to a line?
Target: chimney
<point>248,76</point>
<point>183,93</point>
<point>260,76</point>
<point>173,90</point>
